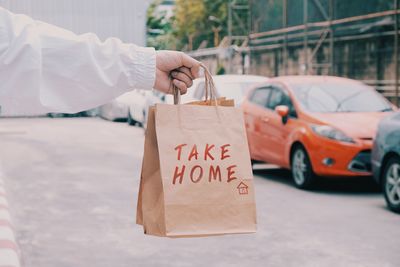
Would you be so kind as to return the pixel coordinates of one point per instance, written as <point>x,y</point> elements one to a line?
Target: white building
<point>125,19</point>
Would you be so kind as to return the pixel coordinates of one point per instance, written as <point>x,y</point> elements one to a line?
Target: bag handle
<point>210,90</point>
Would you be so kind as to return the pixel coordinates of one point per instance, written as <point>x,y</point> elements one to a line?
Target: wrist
<point>143,74</point>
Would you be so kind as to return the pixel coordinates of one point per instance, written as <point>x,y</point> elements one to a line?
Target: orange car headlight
<point>331,133</point>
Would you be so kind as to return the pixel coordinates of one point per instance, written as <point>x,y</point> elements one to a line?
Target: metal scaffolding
<point>396,49</point>
<point>237,37</point>
<point>317,40</point>
<point>313,35</point>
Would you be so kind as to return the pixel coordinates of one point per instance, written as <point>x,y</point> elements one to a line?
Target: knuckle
<point>181,85</point>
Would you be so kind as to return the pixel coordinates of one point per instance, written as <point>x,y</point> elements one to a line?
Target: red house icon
<point>243,188</point>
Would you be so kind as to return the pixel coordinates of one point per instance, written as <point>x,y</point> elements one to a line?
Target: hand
<point>179,67</point>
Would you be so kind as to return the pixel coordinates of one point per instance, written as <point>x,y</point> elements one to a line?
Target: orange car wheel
<point>302,172</point>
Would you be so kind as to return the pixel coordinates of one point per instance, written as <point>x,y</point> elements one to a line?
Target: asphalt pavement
<point>72,187</point>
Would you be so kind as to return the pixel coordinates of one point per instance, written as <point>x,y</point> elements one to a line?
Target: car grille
<point>361,162</point>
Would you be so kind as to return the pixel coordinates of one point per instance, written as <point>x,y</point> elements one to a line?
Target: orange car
<point>314,125</point>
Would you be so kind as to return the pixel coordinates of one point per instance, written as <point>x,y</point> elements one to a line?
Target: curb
<point>9,250</point>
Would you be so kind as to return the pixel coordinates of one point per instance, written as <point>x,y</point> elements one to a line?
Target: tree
<point>189,21</point>
<point>159,28</point>
<point>195,22</point>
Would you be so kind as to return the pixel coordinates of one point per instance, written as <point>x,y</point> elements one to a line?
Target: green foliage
<point>159,28</point>
<point>189,21</point>
<point>192,23</point>
<point>197,21</point>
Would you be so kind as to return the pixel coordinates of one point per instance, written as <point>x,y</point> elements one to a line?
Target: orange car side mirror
<point>283,111</point>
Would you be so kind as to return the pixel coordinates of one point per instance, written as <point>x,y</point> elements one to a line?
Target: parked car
<point>87,113</point>
<point>314,125</point>
<point>138,109</point>
<point>386,160</point>
<point>230,86</point>
<point>118,109</point>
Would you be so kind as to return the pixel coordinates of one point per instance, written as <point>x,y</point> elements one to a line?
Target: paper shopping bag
<point>196,175</point>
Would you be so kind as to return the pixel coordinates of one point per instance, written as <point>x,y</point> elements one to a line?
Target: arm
<point>45,68</point>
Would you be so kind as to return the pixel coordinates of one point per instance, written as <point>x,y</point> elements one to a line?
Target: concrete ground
<point>72,187</point>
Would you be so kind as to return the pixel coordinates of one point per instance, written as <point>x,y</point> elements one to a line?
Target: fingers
<point>180,85</point>
<point>191,64</point>
<point>178,66</point>
<point>183,77</point>
<point>186,71</point>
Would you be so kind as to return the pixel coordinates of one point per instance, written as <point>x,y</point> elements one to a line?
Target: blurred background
<point>355,39</point>
<point>318,82</point>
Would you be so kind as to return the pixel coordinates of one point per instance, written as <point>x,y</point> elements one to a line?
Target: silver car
<point>229,86</point>
<point>138,109</point>
<point>118,109</point>
<point>386,160</point>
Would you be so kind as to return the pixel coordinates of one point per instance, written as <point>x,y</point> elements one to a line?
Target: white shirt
<point>44,68</point>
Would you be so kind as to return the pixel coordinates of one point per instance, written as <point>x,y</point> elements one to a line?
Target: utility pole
<point>305,40</point>
<point>247,61</point>
<point>230,35</point>
<point>285,50</point>
<point>331,39</point>
<point>396,51</point>
<point>238,35</point>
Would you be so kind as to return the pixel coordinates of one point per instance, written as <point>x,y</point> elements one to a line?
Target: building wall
<point>370,60</point>
<point>125,19</point>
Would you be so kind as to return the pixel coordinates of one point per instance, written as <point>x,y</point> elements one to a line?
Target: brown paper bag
<point>196,174</point>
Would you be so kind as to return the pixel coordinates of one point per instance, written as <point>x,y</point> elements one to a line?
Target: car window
<point>260,96</point>
<point>280,97</point>
<point>233,90</point>
<point>338,96</point>
<point>199,93</point>
<point>277,98</point>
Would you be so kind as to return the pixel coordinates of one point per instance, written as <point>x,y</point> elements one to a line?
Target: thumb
<point>192,64</point>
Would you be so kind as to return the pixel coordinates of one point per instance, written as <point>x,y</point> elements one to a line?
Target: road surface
<point>72,187</point>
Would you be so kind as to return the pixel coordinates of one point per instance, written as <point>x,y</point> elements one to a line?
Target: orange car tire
<point>301,167</point>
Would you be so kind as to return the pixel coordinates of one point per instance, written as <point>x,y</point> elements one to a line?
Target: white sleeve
<point>44,68</point>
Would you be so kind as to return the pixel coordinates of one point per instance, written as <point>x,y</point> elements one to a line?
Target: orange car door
<point>265,133</point>
<point>255,121</point>
<point>278,131</point>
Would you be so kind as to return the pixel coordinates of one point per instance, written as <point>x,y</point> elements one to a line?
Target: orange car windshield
<point>331,97</point>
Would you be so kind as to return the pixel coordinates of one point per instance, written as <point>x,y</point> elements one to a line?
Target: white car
<point>138,109</point>
<point>229,86</point>
<point>118,109</point>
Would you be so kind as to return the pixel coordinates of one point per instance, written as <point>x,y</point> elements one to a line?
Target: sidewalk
<point>9,251</point>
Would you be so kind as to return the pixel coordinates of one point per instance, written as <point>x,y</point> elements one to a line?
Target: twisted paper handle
<point>209,85</point>
<point>210,91</point>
